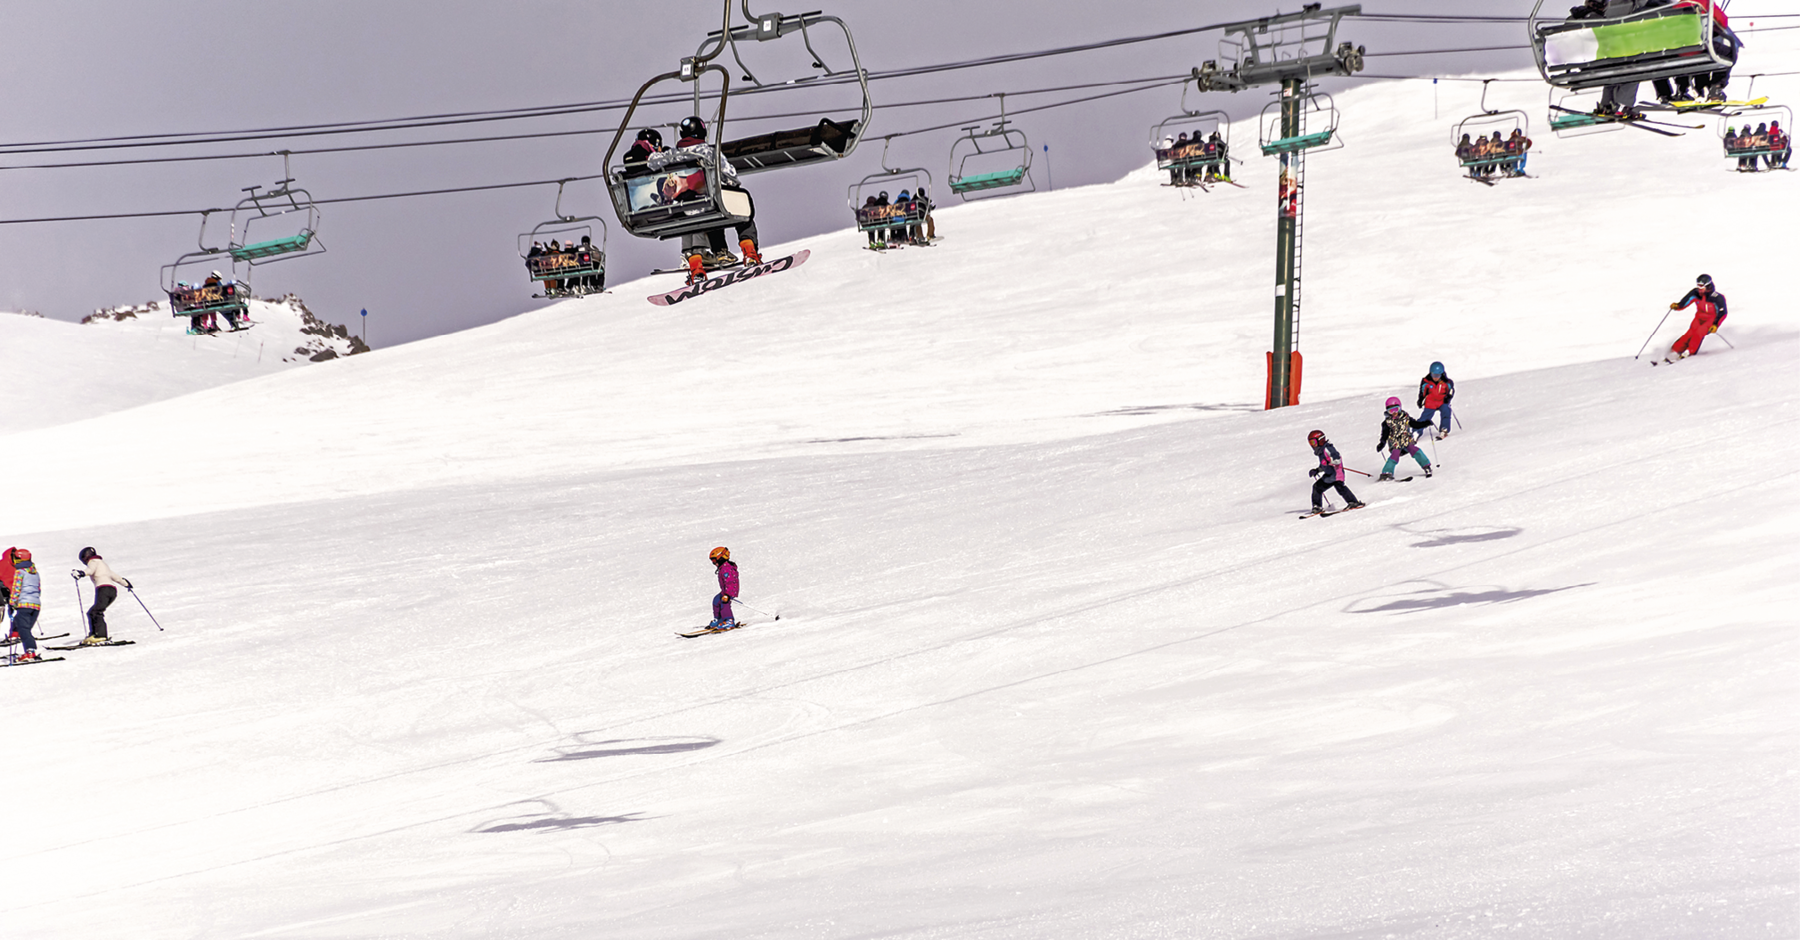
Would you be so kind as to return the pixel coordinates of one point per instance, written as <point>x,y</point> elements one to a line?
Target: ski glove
<point>1314,471</point>
<point>77,573</point>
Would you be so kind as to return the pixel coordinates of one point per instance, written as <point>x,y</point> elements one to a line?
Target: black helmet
<point>86,554</point>
<point>693,127</point>
<point>652,135</point>
<point>1704,280</point>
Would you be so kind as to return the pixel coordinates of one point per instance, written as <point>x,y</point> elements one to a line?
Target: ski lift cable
<point>356,148</point>
<point>562,110</point>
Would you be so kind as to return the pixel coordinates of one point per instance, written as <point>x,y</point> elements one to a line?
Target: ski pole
<point>77,576</point>
<point>133,592</point>
<point>1659,326</point>
<point>1354,470</point>
<point>765,613</point>
<point>1721,336</point>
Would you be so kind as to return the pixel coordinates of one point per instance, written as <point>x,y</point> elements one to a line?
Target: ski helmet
<point>651,136</point>
<point>720,554</point>
<point>87,554</point>
<point>1704,280</point>
<point>1393,403</point>
<point>1315,438</point>
<point>693,127</point>
<point>1437,368</point>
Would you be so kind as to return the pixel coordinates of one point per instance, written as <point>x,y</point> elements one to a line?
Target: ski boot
<point>11,639</point>
<point>91,640</point>
<point>1384,478</point>
<point>1355,506</point>
<point>696,268</point>
<point>751,255</point>
<point>29,656</point>
<point>1428,472</point>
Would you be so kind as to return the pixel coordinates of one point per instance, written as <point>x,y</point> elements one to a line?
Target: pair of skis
<point>1641,123</point>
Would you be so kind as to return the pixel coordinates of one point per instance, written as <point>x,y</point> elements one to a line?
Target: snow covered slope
<point>1054,659</point>
<point>123,357</point>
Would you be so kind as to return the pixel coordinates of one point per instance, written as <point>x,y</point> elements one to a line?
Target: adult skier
<point>728,588</point>
<point>1397,429</point>
<point>1709,315</point>
<point>106,590</point>
<point>1435,391</point>
<point>24,600</point>
<point>1329,473</point>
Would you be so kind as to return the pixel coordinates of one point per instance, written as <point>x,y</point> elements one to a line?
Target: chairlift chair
<point>1316,103</point>
<point>998,146</point>
<point>1746,120</point>
<point>287,210</point>
<point>683,198</point>
<point>1482,125</point>
<point>572,262</point>
<point>916,180</point>
<point>195,298</point>
<point>1190,156</point>
<point>825,140</point>
<point>1647,45</point>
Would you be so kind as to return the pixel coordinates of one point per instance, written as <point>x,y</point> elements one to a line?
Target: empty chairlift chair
<point>826,139</point>
<point>991,162</point>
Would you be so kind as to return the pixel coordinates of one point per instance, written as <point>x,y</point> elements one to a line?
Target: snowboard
<point>1692,105</point>
<point>730,277</point>
<point>78,646</point>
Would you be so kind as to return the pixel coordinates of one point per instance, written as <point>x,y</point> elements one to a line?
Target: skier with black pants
<point>1329,473</point>
<point>106,590</point>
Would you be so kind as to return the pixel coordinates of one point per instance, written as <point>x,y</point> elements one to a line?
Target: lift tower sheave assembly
<point>1289,49</point>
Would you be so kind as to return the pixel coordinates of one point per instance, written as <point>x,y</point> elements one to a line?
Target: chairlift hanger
<point>1641,46</point>
<point>285,199</point>
<point>1488,116</point>
<point>827,140</point>
<point>1006,140</point>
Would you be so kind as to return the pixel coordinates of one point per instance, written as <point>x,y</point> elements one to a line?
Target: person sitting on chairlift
<point>648,141</point>
<point>1520,145</point>
<point>1781,147</point>
<point>693,148</point>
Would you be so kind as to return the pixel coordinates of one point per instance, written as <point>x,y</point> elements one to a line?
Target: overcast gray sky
<point>435,264</point>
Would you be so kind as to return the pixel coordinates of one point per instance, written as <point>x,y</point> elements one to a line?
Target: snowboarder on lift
<point>1397,429</point>
<point>1329,473</point>
<point>728,589</point>
<point>1709,315</point>
<point>692,147</point>
<point>1435,391</point>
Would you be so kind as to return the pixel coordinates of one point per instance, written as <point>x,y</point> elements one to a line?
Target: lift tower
<point>1290,49</point>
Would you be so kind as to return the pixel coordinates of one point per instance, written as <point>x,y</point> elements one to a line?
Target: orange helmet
<point>720,554</point>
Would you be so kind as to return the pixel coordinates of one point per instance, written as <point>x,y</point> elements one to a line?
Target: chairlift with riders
<point>578,265</point>
<point>1479,160</point>
<point>885,216</point>
<point>204,298</point>
<point>1001,158</point>
<point>1761,136</point>
<point>1185,149</point>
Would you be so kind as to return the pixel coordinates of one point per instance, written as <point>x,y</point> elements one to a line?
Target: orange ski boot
<point>751,255</point>
<point>696,268</point>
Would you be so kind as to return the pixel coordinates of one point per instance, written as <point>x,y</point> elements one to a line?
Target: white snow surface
<point>129,356</point>
<point>1054,657</point>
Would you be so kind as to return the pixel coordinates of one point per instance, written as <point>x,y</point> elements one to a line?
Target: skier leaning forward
<point>106,590</point>
<point>1709,315</point>
<point>1397,429</point>
<point>1329,473</point>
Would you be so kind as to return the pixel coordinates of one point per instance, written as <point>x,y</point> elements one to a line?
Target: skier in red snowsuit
<point>1709,314</point>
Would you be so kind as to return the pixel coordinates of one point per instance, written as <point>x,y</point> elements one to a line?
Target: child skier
<point>1397,439</point>
<point>24,600</point>
<point>728,589</point>
<point>106,590</point>
<point>1709,315</point>
<point>1329,473</point>
<point>1435,391</point>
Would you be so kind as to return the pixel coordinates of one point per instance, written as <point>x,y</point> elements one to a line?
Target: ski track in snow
<point>1053,659</point>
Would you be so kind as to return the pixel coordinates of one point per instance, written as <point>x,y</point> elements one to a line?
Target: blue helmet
<point>1437,368</point>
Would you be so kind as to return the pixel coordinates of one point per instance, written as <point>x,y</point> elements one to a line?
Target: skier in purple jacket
<point>1329,473</point>
<point>728,589</point>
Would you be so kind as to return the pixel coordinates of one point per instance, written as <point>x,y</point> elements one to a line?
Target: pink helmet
<point>1393,403</point>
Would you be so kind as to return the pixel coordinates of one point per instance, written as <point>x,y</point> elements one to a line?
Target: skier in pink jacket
<point>728,589</point>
